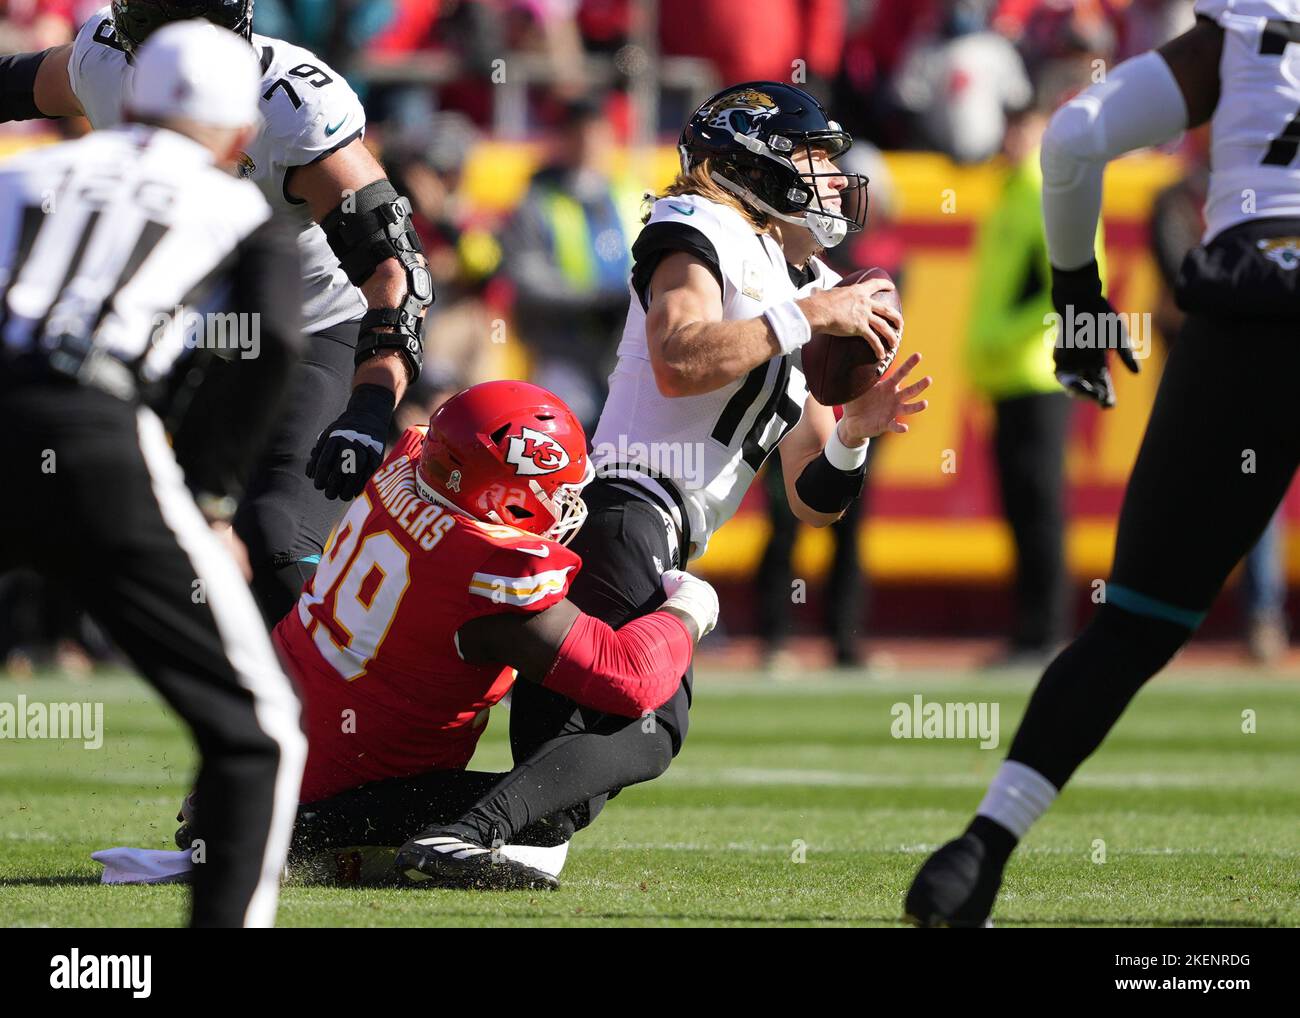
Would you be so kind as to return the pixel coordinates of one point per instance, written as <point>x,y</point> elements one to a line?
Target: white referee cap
<point>197,70</point>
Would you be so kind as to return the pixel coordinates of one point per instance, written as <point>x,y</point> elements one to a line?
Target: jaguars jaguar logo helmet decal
<point>741,111</point>
<point>1283,251</point>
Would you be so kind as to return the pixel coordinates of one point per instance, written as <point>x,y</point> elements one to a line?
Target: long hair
<point>697,181</point>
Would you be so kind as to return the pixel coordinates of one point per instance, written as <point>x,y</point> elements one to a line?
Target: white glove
<point>693,596</point>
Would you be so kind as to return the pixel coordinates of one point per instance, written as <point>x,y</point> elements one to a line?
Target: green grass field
<point>1198,819</point>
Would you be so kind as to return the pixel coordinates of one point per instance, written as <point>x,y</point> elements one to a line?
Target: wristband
<point>789,324</point>
<point>843,457</point>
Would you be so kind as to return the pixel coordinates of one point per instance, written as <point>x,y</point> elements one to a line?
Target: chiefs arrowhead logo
<point>533,453</point>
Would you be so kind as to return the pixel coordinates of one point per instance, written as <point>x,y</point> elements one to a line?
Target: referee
<point>102,242</point>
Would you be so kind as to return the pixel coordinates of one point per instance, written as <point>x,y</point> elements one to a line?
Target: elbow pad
<point>626,671</point>
<point>378,227</point>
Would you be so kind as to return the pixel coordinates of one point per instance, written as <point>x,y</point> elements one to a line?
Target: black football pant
<point>95,501</point>
<point>570,760</point>
<point>1220,450</point>
<point>283,520</point>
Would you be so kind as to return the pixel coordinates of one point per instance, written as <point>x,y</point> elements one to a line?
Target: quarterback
<point>725,289</point>
<point>365,286</point>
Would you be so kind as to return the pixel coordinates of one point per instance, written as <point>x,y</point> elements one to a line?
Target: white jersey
<point>701,453</point>
<point>103,237</point>
<point>308,111</point>
<point>1255,172</point>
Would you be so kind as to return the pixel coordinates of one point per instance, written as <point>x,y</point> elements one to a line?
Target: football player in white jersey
<point>365,283</point>
<point>1219,452</point>
<point>726,287</point>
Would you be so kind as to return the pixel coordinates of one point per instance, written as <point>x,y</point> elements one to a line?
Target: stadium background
<point>476,90</point>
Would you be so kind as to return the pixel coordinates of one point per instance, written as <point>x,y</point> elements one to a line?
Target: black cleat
<point>438,859</point>
<point>184,835</point>
<point>955,888</point>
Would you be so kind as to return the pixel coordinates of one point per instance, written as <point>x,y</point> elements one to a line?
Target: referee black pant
<point>96,502</point>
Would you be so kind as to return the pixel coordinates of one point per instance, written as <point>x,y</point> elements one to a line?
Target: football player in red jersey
<point>447,577</point>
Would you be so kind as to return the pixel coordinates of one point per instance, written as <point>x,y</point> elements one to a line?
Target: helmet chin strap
<point>826,230</point>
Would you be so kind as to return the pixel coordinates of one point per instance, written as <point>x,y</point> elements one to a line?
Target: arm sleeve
<point>233,409</point>
<point>1139,104</point>
<point>625,671</point>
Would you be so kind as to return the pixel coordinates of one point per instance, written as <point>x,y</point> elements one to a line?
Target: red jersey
<point>372,638</point>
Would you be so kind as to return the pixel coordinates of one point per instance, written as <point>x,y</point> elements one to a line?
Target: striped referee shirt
<point>105,237</point>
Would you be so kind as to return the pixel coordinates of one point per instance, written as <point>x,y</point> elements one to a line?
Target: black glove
<point>351,449</point>
<point>1082,369</point>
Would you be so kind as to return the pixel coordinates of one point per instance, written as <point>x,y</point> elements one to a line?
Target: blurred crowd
<point>903,73</point>
<point>973,79</point>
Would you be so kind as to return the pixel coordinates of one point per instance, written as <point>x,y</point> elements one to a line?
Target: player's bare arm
<point>693,351</point>
<point>53,89</point>
<point>625,671</point>
<point>35,85</point>
<point>1193,57</point>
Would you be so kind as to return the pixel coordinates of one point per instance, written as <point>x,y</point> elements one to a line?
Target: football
<point>842,368</point>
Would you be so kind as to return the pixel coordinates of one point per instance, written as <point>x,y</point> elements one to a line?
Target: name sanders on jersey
<point>426,522</point>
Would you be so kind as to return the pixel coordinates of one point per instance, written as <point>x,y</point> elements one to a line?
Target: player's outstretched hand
<point>693,597</point>
<point>1088,328</point>
<point>879,408</point>
<point>351,449</point>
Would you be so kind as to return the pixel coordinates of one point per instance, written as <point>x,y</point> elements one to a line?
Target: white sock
<point>1017,796</point>
<point>548,860</point>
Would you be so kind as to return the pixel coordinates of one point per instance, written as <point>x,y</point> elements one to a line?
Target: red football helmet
<point>508,452</point>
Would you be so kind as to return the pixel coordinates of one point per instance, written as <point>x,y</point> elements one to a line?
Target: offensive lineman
<point>99,240</point>
<point>365,287</point>
<point>726,287</point>
<point>1190,511</point>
